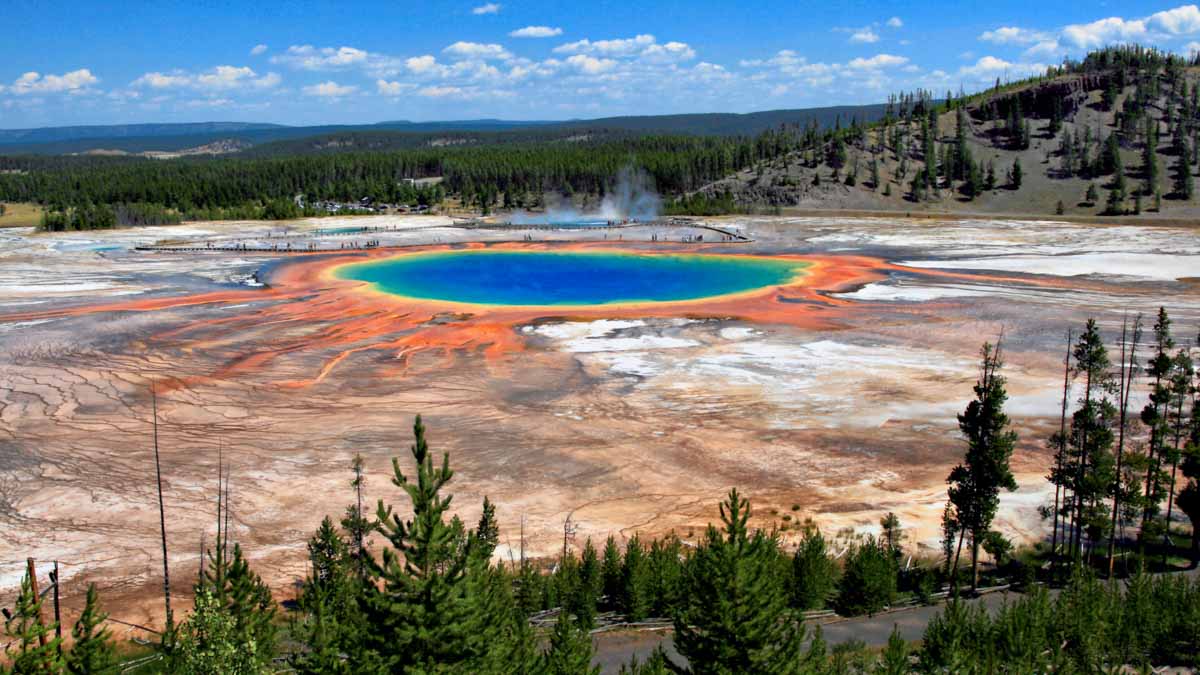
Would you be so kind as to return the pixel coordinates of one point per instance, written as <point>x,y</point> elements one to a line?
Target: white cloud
<point>1191,47</point>
<point>671,52</point>
<point>489,8</point>
<point>1044,49</point>
<point>220,78</point>
<point>1013,35</point>
<point>621,47</point>
<point>536,32</point>
<point>877,61</point>
<point>308,57</point>
<point>258,49</point>
<point>1104,31</point>
<point>476,50</point>
<point>991,67</point>
<point>330,89</point>
<point>36,83</point>
<point>1183,20</point>
<point>895,22</point>
<point>590,64</point>
<point>209,103</point>
<point>421,64</point>
<point>864,36</point>
<point>387,88</point>
<point>441,92</point>
<point>1164,26</point>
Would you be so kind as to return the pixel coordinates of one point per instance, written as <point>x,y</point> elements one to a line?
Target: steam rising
<point>633,197</point>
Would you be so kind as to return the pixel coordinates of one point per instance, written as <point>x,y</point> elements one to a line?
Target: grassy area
<point>20,215</point>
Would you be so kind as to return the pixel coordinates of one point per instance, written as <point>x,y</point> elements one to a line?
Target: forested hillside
<point>1112,134</point>
<point>493,175</point>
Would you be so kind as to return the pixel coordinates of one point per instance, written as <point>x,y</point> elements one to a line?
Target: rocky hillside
<point>1111,135</point>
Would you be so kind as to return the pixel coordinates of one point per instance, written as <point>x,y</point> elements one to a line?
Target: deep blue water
<point>538,278</point>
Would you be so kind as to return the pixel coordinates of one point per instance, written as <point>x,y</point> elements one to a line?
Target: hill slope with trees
<point>1115,134</point>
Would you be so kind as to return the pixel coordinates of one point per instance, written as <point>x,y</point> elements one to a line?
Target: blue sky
<point>71,62</point>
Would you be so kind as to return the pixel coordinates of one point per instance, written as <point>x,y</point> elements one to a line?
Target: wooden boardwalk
<point>728,237</point>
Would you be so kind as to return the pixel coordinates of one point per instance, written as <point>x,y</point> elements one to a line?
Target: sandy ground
<point>836,405</point>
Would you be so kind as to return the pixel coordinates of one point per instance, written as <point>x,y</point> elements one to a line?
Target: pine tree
<point>1092,438</point>
<point>734,616</point>
<point>868,583</point>
<point>331,625</point>
<point>1180,387</point>
<point>976,483</point>
<point>814,574</point>
<point>610,572</point>
<point>894,658</point>
<point>962,153</point>
<point>1115,206</point>
<point>891,533</point>
<point>355,522</point>
<point>1016,175</point>
<point>1154,417</point>
<point>570,651</point>
<point>244,596</point>
<point>25,632</point>
<point>432,603</point>
<point>92,650</point>
<point>636,597</point>
<point>1150,156</point>
<point>587,590</point>
<point>1185,187</point>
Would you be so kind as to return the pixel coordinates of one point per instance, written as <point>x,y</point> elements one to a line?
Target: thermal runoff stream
<point>574,278</point>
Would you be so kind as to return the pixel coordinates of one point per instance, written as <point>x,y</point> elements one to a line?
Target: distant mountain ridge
<point>170,137</point>
<point>54,134</point>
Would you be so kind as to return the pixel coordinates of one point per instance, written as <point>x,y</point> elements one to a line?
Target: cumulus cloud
<point>621,47</point>
<point>308,57</point>
<point>387,88</point>
<point>864,36</point>
<point>330,89</point>
<point>590,64</point>
<point>1164,26</point>
<point>33,82</point>
<point>1183,20</point>
<point>877,61</point>
<point>990,67</point>
<point>671,52</point>
<point>1013,35</point>
<point>476,50</point>
<point>220,78</point>
<point>440,92</point>
<point>489,8</point>
<point>644,48</point>
<point>1104,31</point>
<point>421,65</point>
<point>895,22</point>
<point>536,32</point>
<point>258,49</point>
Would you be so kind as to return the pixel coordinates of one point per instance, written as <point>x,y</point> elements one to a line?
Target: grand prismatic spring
<point>516,278</point>
<point>625,379</point>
